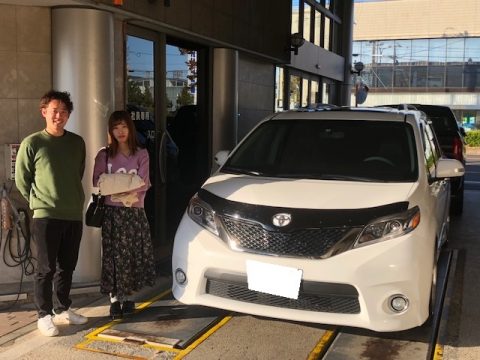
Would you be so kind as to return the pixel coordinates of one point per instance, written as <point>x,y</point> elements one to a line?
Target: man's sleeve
<point>82,164</point>
<point>24,170</point>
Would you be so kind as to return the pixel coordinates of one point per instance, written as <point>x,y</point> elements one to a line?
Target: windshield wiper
<point>234,170</point>
<point>348,178</point>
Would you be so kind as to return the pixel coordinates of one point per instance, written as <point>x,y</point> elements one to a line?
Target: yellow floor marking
<point>83,346</point>
<point>154,299</point>
<point>322,345</point>
<point>92,336</point>
<point>202,338</point>
<point>438,353</point>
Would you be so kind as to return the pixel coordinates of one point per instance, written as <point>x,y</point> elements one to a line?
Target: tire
<point>456,206</point>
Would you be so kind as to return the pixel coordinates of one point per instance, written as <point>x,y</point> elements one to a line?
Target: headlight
<point>200,212</point>
<point>389,227</point>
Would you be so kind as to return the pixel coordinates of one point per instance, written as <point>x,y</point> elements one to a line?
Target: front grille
<point>327,302</point>
<point>299,243</point>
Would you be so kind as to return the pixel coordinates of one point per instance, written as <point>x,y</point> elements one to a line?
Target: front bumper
<point>375,273</point>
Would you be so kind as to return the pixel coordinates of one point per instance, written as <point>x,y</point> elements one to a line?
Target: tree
<point>148,98</point>
<point>184,97</point>
<point>134,92</point>
<point>136,96</point>
<point>191,65</point>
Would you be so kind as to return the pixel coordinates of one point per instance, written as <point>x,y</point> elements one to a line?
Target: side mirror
<point>447,168</point>
<point>462,131</point>
<point>221,157</point>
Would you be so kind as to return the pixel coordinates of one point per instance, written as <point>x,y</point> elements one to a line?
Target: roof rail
<point>400,106</point>
<point>317,107</point>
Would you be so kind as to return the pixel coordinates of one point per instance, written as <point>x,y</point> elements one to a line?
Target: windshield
<point>328,149</point>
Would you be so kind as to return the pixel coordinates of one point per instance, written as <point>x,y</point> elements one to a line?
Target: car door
<point>439,188</point>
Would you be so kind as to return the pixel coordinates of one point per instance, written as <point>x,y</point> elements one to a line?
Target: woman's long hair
<point>116,118</point>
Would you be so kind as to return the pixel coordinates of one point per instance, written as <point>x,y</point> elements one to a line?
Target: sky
<point>140,56</point>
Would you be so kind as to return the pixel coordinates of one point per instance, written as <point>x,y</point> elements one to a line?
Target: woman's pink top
<point>137,163</point>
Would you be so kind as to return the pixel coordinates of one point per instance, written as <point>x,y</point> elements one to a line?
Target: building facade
<point>422,51</point>
<point>317,71</point>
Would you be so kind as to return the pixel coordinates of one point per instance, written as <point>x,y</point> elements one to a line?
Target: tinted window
<point>442,118</point>
<point>436,76</point>
<point>432,151</point>
<point>419,76</point>
<point>346,150</point>
<point>384,76</point>
<point>402,76</point>
<point>454,76</point>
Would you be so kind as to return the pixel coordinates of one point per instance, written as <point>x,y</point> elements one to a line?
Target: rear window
<point>328,150</point>
<point>443,120</point>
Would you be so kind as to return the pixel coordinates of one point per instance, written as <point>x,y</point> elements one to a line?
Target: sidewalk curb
<point>84,304</point>
<point>472,150</point>
<point>12,336</point>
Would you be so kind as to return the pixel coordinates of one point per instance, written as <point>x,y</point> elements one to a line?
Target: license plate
<point>273,279</point>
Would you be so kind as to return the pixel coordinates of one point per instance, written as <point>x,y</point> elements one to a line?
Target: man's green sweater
<point>48,173</point>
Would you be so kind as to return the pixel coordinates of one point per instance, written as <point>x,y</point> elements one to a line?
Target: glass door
<point>187,127</point>
<point>166,95</point>
<point>142,93</point>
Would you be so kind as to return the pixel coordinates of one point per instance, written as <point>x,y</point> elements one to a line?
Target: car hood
<point>306,193</point>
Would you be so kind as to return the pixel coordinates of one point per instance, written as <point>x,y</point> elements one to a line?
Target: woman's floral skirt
<point>127,251</point>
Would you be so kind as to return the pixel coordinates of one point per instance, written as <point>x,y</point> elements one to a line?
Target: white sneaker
<point>46,326</point>
<point>69,317</point>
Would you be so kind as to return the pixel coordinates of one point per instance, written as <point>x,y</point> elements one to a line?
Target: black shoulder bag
<point>96,207</point>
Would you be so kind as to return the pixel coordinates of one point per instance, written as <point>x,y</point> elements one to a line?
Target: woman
<point>127,251</point>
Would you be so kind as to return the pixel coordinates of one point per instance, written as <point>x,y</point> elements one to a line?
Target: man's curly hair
<point>62,96</point>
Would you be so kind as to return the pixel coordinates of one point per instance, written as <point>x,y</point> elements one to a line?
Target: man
<point>49,169</point>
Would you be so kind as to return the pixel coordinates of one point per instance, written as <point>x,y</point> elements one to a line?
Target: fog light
<point>398,303</point>
<point>180,276</point>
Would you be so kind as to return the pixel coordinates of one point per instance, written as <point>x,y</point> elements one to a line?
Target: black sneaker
<point>116,310</point>
<point>128,307</point>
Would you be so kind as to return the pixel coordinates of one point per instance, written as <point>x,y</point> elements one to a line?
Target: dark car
<point>451,139</point>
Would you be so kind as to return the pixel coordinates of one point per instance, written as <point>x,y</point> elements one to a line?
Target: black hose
<point>21,254</point>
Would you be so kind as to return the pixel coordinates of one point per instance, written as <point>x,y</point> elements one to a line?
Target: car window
<point>435,144</point>
<point>442,119</point>
<point>334,149</point>
<point>443,124</point>
<point>432,151</point>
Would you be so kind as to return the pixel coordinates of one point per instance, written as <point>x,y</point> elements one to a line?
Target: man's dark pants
<point>57,243</point>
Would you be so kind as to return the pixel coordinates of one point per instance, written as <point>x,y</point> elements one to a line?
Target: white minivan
<point>333,216</point>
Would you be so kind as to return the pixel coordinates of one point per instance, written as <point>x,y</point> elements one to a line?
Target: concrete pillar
<point>83,64</point>
<point>347,38</point>
<point>224,100</point>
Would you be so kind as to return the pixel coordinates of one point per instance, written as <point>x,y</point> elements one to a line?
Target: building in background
<point>421,51</point>
<point>318,68</point>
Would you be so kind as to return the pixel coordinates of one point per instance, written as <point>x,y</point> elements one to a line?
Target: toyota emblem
<point>282,219</point>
